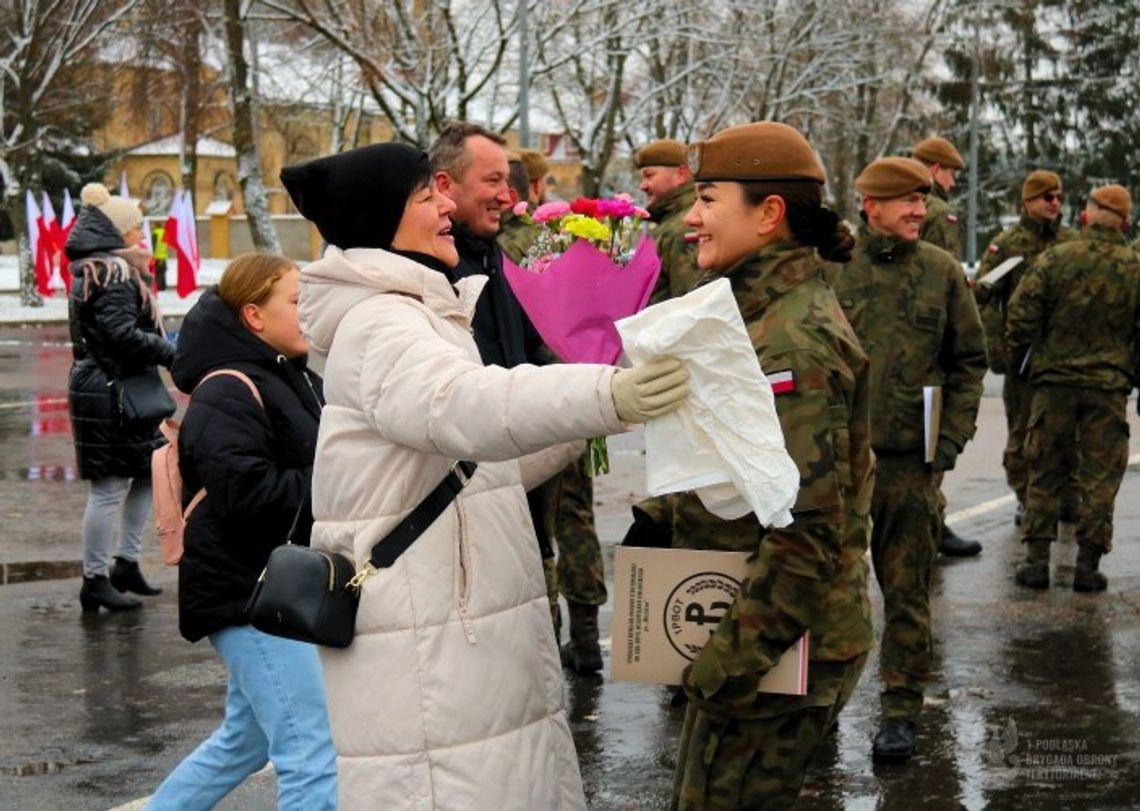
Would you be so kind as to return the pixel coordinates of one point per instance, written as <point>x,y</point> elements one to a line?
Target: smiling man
<point>913,312</point>
<point>470,166</point>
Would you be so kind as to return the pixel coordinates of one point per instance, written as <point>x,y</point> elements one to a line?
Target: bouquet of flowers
<point>590,265</point>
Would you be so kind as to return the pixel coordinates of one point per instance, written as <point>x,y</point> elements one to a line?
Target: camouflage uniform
<point>1028,238</point>
<point>1078,311</point>
<point>740,748</point>
<point>913,312</point>
<point>516,236</point>
<point>581,576</point>
<point>940,227</point>
<point>679,271</point>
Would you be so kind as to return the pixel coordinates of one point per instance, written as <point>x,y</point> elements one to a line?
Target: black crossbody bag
<point>312,596</point>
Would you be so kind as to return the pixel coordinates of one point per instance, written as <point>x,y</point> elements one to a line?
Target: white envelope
<point>725,442</point>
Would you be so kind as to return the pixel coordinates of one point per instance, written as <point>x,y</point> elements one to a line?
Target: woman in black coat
<point>116,333</point>
<point>255,461</point>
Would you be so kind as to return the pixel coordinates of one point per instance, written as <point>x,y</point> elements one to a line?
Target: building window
<point>224,186</point>
<point>158,193</point>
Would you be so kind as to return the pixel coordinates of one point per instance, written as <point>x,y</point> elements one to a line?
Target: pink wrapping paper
<point>574,302</point>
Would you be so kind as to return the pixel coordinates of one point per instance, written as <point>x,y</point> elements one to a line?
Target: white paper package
<point>725,442</point>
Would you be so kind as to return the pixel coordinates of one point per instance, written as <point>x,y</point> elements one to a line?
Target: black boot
<point>956,546</point>
<point>583,653</point>
<point>1020,514</point>
<point>1086,577</point>
<point>1034,572</point>
<point>98,591</point>
<point>894,743</point>
<point>125,576</point>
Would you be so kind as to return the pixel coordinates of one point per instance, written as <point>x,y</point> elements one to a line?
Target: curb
<point>32,571</point>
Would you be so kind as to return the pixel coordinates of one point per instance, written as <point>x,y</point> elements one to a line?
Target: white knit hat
<point>123,214</point>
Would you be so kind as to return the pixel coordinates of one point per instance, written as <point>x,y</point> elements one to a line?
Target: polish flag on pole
<point>124,191</point>
<point>54,243</point>
<point>38,242</point>
<point>180,235</point>
<point>66,223</point>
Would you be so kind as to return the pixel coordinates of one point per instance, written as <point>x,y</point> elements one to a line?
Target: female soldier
<point>760,223</point>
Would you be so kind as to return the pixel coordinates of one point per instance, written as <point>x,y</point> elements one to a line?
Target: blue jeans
<point>275,710</point>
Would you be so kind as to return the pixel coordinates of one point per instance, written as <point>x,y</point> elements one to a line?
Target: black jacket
<point>112,335</point>
<point>255,463</point>
<point>503,332</point>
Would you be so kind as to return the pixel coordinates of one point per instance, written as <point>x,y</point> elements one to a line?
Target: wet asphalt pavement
<point>1036,701</point>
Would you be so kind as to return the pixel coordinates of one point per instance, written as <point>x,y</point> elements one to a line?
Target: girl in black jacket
<point>255,462</point>
<point>116,333</point>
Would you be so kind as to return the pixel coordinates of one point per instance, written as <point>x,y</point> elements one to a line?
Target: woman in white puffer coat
<point>450,695</point>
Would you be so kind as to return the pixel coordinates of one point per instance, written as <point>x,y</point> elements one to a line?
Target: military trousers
<point>1094,423</point>
<point>903,549</point>
<point>581,574</point>
<point>728,762</point>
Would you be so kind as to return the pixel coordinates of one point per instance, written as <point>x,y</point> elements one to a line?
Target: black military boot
<point>97,591</point>
<point>1033,573</point>
<point>1086,577</point>
<point>894,743</point>
<point>126,576</point>
<point>1020,514</point>
<point>956,546</point>
<point>583,653</point>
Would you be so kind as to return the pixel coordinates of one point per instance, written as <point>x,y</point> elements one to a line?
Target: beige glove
<point>651,390</point>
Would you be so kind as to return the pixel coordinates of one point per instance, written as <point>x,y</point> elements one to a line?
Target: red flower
<point>587,206</point>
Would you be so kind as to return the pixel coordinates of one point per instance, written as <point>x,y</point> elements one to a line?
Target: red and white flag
<point>66,223</point>
<point>181,237</point>
<point>39,241</point>
<point>54,235</point>
<point>124,190</point>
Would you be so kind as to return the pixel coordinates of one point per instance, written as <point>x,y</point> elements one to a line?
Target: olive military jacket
<point>917,321</point>
<point>1027,238</point>
<point>940,226</point>
<point>516,236</point>
<point>812,574</point>
<point>1076,314</point>
<point>679,271</point>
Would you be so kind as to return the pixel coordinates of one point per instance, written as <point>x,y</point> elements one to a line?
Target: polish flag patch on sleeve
<point>782,382</point>
<point>993,248</point>
<point>952,219</point>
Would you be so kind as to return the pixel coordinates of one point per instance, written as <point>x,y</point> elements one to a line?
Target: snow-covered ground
<point>55,308</point>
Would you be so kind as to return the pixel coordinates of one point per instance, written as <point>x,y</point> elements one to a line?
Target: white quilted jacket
<point>451,695</point>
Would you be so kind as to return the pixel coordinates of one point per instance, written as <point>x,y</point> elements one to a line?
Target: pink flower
<point>641,212</point>
<point>615,207</point>
<point>550,211</point>
<point>520,208</point>
<point>624,196</point>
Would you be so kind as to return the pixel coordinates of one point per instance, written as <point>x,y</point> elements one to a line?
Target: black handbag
<point>141,398</point>
<point>312,596</point>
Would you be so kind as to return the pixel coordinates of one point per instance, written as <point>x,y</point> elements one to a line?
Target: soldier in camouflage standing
<point>761,224</point>
<point>667,185</point>
<point>1038,229</point>
<point>912,310</point>
<point>516,235</point>
<point>1076,318</point>
<point>940,227</point>
<point>537,169</point>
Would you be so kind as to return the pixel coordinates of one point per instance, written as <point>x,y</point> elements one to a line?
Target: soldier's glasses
<point>1051,197</point>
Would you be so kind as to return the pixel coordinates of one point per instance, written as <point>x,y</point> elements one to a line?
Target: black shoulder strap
<point>385,553</point>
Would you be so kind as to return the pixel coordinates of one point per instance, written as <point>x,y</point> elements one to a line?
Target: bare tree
<point>424,62</point>
<point>245,133</point>
<point>43,42</point>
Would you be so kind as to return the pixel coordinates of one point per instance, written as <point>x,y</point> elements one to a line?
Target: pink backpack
<point>166,480</point>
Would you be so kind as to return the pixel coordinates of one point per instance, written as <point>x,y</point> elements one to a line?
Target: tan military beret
<point>939,151</point>
<point>762,150</point>
<point>893,177</point>
<point>1115,198</point>
<point>537,166</point>
<point>665,152</point>
<point>1039,182</point>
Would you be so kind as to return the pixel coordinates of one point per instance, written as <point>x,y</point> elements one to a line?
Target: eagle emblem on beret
<point>693,157</point>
